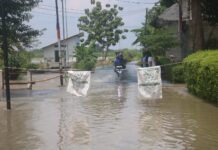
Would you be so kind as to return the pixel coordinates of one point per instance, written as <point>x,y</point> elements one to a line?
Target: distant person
<point>146,58</point>
<point>120,61</point>
<point>151,61</point>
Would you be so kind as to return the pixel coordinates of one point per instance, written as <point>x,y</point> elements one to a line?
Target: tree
<point>152,35</point>
<point>210,11</point>
<point>85,58</point>
<point>202,10</point>
<point>167,3</point>
<point>102,26</point>
<point>13,31</point>
<point>197,25</point>
<point>157,40</point>
<point>19,34</point>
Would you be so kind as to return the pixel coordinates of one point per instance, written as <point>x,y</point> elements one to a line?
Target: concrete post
<point>29,79</point>
<point>1,81</point>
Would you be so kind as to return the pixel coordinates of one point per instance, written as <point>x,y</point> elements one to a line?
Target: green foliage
<point>178,74</point>
<point>166,72</point>
<point>166,68</point>
<point>201,74</point>
<point>159,41</point>
<point>209,9</point>
<point>154,37</point>
<point>164,60</point>
<point>131,54</point>
<point>1,63</point>
<point>21,59</point>
<point>17,12</point>
<point>102,26</point>
<point>152,16</point>
<point>167,3</point>
<point>86,59</point>
<point>38,53</point>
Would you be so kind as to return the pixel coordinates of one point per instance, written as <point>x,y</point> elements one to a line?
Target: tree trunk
<point>106,53</point>
<point>5,54</point>
<point>197,25</point>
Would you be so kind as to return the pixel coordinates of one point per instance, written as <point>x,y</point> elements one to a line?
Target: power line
<point>134,2</point>
<point>48,9</point>
<point>51,6</point>
<point>48,14</point>
<point>82,11</point>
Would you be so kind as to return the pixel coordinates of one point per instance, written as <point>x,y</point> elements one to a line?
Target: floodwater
<point>111,117</point>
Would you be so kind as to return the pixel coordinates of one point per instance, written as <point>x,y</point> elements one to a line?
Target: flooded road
<point>111,117</point>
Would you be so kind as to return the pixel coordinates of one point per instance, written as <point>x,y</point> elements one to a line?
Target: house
<point>51,52</point>
<point>170,18</point>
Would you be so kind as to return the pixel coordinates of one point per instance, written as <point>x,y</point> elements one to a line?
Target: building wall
<point>49,52</point>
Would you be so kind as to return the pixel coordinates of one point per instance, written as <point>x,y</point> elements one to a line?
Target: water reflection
<point>16,130</point>
<point>150,92</point>
<point>73,125</point>
<point>110,117</point>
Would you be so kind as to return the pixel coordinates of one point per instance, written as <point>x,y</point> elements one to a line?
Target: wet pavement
<point>111,117</point>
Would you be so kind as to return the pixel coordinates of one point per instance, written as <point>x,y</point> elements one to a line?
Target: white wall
<point>49,52</point>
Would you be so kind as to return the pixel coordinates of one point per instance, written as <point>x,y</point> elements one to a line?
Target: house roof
<point>172,13</point>
<point>73,36</point>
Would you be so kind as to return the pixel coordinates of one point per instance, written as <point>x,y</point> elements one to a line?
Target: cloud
<point>83,4</point>
<point>79,4</point>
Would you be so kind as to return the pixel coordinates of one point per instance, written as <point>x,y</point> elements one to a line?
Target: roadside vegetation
<point>20,59</point>
<point>102,25</point>
<point>85,58</point>
<point>155,37</point>
<point>16,36</point>
<point>201,74</point>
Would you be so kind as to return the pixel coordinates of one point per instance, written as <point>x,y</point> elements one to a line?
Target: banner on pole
<point>79,82</point>
<point>149,82</point>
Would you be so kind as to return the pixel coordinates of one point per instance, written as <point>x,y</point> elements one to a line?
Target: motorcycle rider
<point>119,61</point>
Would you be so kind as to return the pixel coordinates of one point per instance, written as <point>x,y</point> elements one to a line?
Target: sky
<point>44,17</point>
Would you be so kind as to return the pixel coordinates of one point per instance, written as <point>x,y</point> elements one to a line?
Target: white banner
<point>149,82</point>
<point>79,82</point>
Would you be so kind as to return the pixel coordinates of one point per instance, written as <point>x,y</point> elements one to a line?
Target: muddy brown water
<point>111,117</point>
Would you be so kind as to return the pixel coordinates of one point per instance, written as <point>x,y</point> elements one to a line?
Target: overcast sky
<point>44,17</point>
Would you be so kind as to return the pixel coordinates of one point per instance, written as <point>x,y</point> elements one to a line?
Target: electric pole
<point>59,43</point>
<point>181,31</point>
<point>5,51</point>
<point>66,29</point>
<point>64,43</point>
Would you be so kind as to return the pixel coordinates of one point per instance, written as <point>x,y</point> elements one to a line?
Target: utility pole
<point>59,43</point>
<point>64,44</point>
<point>146,16</point>
<point>181,32</point>
<point>5,51</point>
<point>66,29</point>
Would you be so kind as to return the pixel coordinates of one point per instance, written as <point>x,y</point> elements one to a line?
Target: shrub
<point>86,59</point>
<point>164,60</point>
<point>166,72</point>
<point>178,74</point>
<point>201,74</point>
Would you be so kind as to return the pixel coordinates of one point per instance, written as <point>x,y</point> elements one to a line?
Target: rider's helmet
<point>120,55</point>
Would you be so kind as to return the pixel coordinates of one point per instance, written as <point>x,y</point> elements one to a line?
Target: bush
<point>178,74</point>
<point>86,59</point>
<point>164,60</point>
<point>166,72</point>
<point>131,55</point>
<point>201,74</point>
<point>18,61</point>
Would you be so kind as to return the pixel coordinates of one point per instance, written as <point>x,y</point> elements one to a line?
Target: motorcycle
<point>120,71</point>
